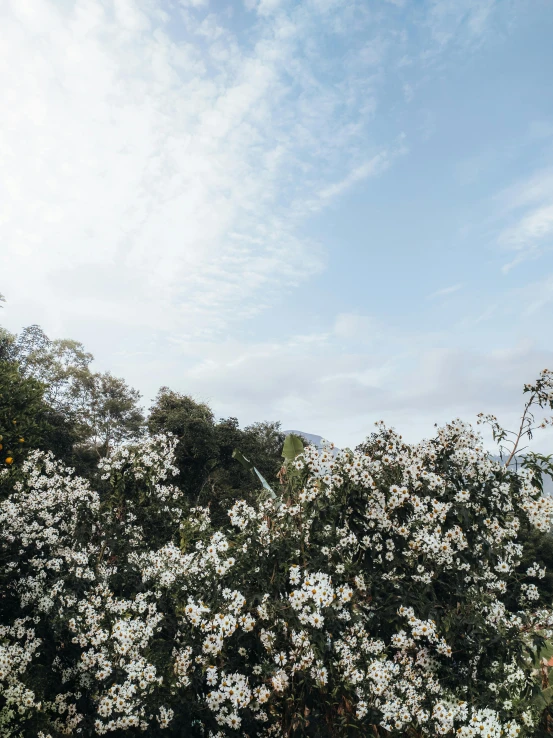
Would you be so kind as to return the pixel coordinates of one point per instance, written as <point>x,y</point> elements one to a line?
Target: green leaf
<point>544,653</point>
<point>293,446</point>
<point>265,484</point>
<point>246,463</point>
<point>183,541</point>
<point>544,698</point>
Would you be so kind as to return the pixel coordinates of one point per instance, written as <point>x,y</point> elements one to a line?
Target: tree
<point>7,340</point>
<point>107,412</point>
<point>193,425</point>
<point>62,365</point>
<point>20,407</point>
<point>208,473</point>
<point>102,409</point>
<point>28,422</point>
<point>261,443</point>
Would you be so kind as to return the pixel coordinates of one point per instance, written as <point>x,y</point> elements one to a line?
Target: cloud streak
<point>445,291</point>
<point>173,156</point>
<point>528,208</point>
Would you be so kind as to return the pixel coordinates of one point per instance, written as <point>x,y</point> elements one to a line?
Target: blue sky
<point>324,212</point>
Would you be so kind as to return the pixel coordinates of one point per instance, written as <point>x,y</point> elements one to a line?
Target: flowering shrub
<point>377,592</point>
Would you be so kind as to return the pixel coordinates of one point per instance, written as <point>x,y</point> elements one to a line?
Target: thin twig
<point>520,429</point>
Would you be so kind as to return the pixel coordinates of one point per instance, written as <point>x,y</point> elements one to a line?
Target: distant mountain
<point>317,441</point>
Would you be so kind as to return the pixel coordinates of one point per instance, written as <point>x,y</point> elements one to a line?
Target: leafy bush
<point>376,592</point>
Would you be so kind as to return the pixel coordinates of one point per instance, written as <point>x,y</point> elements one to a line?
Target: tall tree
<point>62,365</point>
<point>28,422</point>
<point>208,472</point>
<point>193,424</point>
<point>108,411</point>
<point>102,409</point>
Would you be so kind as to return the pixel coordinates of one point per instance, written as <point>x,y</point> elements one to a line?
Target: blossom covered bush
<point>377,592</point>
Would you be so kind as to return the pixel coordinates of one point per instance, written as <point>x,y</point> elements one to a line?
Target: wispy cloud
<point>460,23</point>
<point>338,390</point>
<point>173,156</point>
<point>533,227</point>
<point>370,168</point>
<point>362,329</point>
<point>528,208</point>
<point>162,146</point>
<point>539,294</point>
<point>373,167</point>
<point>445,291</point>
<point>529,190</point>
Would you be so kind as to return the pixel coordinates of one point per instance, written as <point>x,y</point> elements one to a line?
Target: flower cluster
<point>383,585</point>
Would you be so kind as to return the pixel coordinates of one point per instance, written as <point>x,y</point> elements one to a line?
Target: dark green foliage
<point>27,421</point>
<point>7,341</point>
<point>538,547</point>
<point>20,405</point>
<point>87,412</point>
<point>108,413</point>
<point>193,424</point>
<point>204,455</point>
<point>261,443</point>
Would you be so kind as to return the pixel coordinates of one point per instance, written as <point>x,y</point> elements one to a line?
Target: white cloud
<point>537,295</point>
<point>532,227</point>
<point>361,328</point>
<point>527,206</point>
<point>337,387</point>
<point>373,167</point>
<point>164,156</point>
<point>266,7</point>
<point>530,190</point>
<point>479,16</point>
<point>192,3</point>
<point>376,165</point>
<point>445,291</point>
<point>462,21</point>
